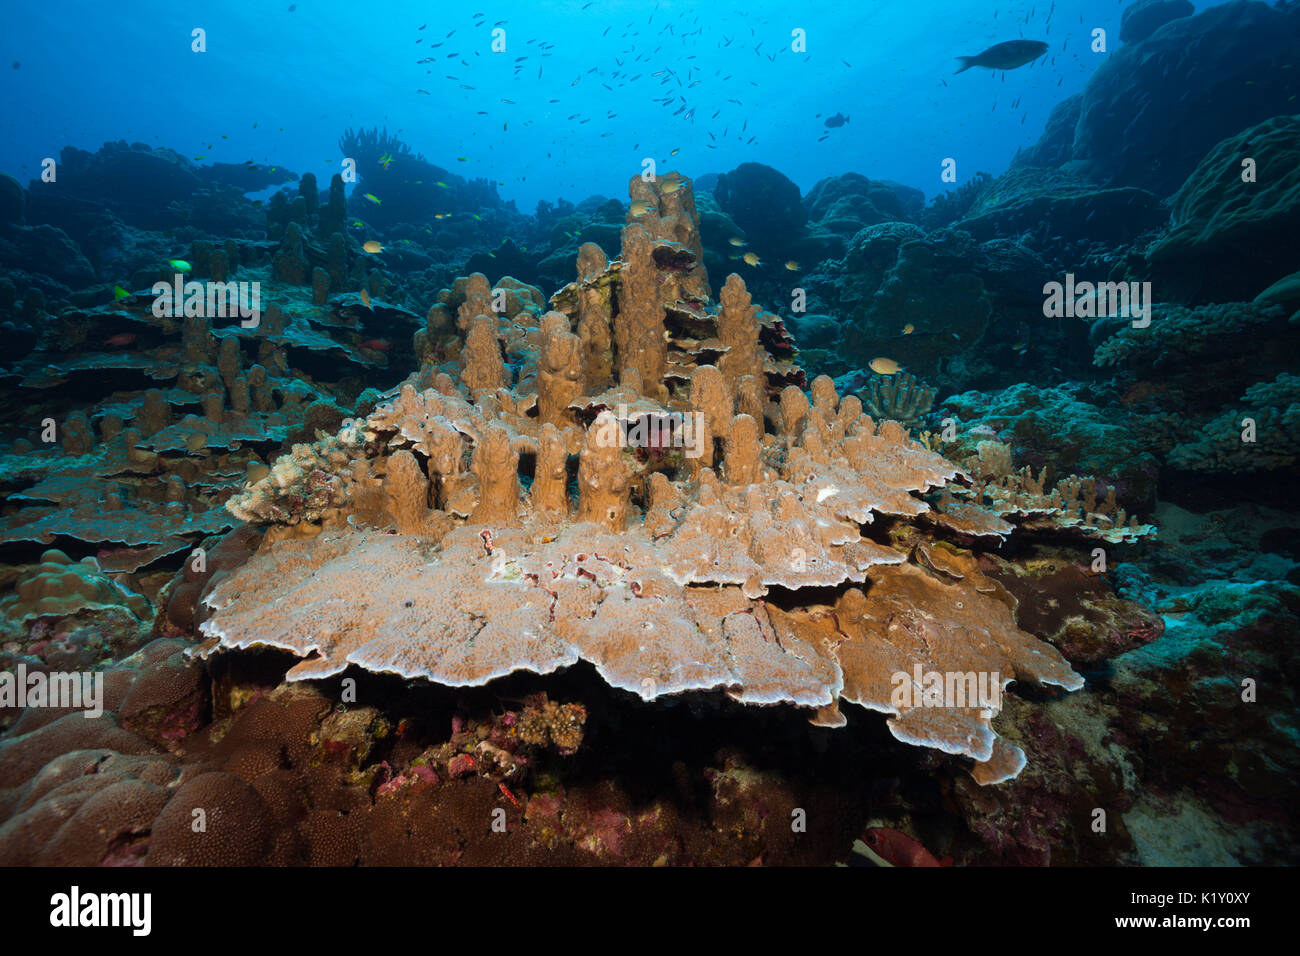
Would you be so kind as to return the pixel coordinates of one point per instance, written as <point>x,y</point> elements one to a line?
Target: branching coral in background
<point>1000,499</point>
<point>367,146</point>
<point>1273,408</point>
<point>947,208</point>
<point>1181,333</point>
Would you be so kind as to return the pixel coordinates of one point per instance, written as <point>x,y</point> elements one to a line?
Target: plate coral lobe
<point>750,569</point>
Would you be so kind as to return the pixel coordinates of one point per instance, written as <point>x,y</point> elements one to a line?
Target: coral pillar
<point>742,464</point>
<point>496,466</point>
<point>481,364</point>
<point>738,329</point>
<point>559,370</point>
<point>407,493</point>
<point>639,325</point>
<point>549,493</point>
<point>602,476</point>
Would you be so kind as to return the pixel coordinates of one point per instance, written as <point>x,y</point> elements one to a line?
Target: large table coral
<point>701,525</point>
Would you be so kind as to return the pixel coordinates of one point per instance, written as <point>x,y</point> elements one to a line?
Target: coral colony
<point>732,521</point>
<point>662,574</point>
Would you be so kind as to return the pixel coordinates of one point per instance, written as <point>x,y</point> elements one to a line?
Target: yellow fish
<point>736,241</point>
<point>365,300</point>
<point>792,266</point>
<point>671,186</point>
<point>885,366</point>
<point>751,258</point>
<point>640,207</point>
<point>372,246</point>
<point>909,329</point>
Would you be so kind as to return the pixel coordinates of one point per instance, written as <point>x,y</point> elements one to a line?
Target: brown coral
<point>738,330</point>
<point>496,466</point>
<point>663,578</point>
<point>407,491</point>
<point>639,325</point>
<point>602,475</point>
<point>559,370</point>
<point>481,364</point>
<point>549,491</point>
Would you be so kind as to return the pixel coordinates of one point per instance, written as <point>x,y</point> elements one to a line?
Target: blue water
<point>280,81</point>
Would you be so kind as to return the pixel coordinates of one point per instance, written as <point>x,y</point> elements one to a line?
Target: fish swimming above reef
<point>1005,56</point>
<point>839,119</point>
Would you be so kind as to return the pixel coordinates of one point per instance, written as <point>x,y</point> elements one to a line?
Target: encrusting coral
<point>694,550</point>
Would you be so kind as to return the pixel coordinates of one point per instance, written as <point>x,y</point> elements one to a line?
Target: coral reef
<point>946,306</point>
<point>1070,206</point>
<point>1062,430</point>
<point>1183,83</point>
<point>1188,336</point>
<point>1269,413</point>
<point>406,183</point>
<point>1145,17</point>
<point>999,494</point>
<point>663,579</point>
<point>1231,231</point>
<point>760,199</point>
<point>370,550</point>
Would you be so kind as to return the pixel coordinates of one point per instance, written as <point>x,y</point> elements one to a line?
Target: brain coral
<point>705,525</point>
